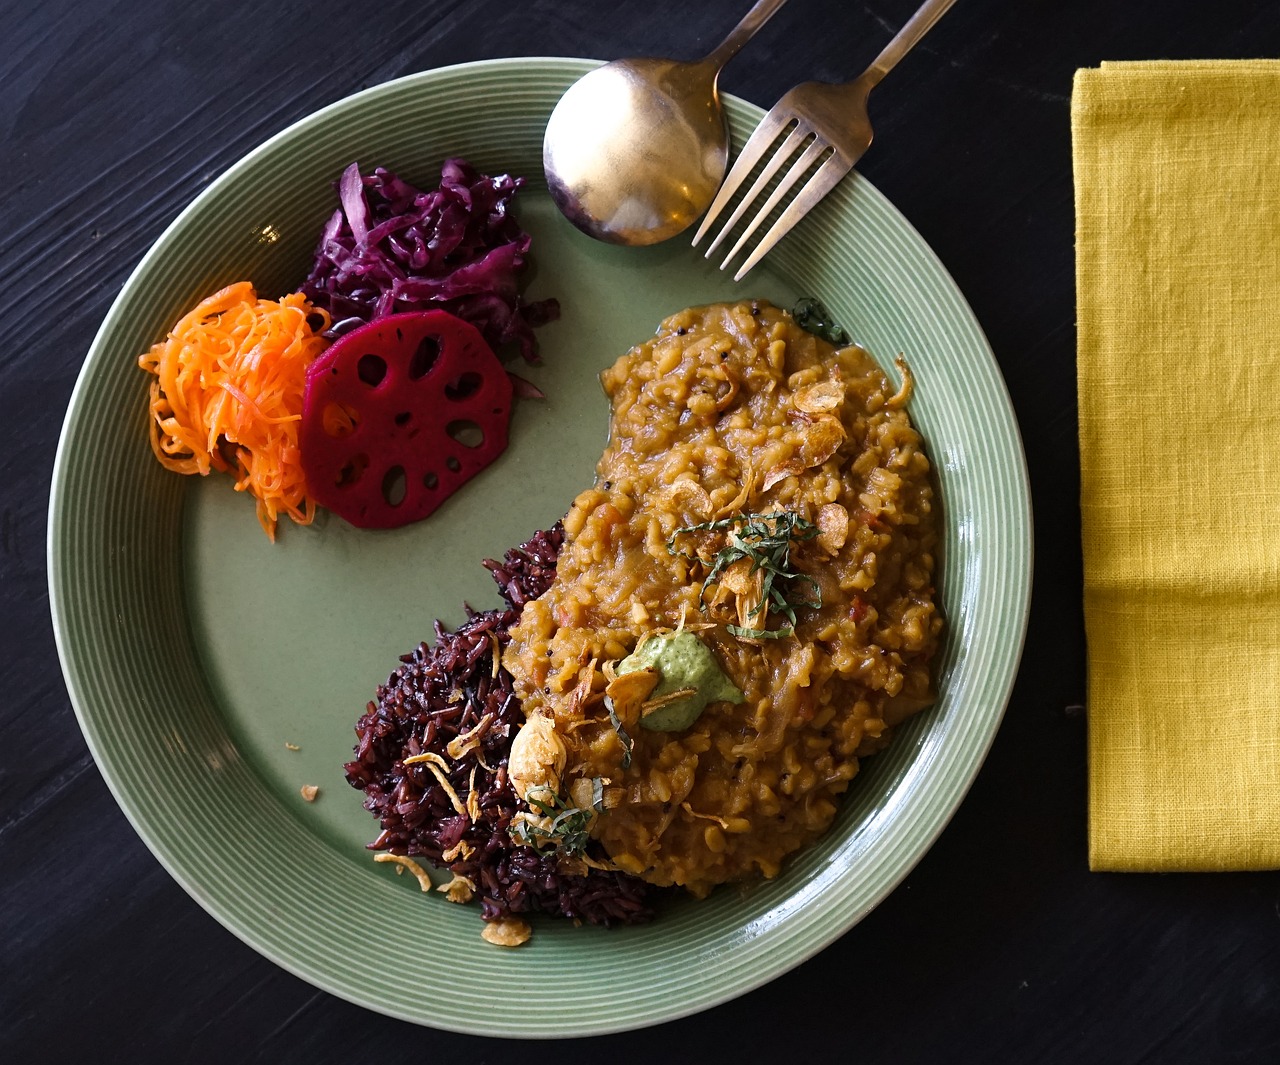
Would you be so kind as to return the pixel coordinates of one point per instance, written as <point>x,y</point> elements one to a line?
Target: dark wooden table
<point>1000,946</point>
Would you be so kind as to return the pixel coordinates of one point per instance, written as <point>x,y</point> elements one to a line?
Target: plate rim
<point>59,593</point>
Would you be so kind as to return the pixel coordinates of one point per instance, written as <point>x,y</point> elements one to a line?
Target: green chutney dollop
<point>683,661</point>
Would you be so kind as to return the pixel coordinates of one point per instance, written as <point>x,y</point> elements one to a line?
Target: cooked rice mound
<point>431,758</point>
<point>732,409</point>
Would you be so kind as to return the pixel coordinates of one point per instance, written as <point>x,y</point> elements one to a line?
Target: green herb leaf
<point>616,722</point>
<point>766,540</point>
<point>761,634</point>
<point>568,831</point>
<point>813,317</point>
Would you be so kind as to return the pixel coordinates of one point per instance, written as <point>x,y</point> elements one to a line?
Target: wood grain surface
<point>1000,946</point>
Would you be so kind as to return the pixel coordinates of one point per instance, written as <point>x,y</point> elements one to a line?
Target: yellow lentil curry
<point>732,417</point>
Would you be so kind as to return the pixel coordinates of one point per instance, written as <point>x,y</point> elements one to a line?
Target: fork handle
<point>917,26</point>
<point>742,32</point>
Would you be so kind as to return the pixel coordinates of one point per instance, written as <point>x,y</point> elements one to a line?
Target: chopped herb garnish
<point>557,823</point>
<point>813,317</point>
<point>616,722</point>
<point>766,540</point>
<point>760,634</point>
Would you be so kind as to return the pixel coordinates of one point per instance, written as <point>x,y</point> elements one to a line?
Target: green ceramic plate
<point>194,650</point>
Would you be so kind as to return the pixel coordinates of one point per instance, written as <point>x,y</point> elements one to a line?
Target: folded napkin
<point>1177,175</point>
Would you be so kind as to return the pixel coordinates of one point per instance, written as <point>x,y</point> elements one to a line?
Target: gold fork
<point>829,126</point>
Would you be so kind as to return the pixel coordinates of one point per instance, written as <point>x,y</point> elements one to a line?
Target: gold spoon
<point>635,150</point>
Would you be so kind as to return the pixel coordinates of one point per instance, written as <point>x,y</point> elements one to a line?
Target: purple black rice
<point>436,694</point>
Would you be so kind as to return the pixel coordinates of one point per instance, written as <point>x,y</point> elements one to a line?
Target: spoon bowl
<point>636,149</point>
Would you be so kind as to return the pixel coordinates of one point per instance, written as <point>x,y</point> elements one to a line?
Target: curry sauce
<point>731,413</point>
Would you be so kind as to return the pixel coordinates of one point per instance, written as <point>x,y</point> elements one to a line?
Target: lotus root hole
<point>339,420</point>
<point>466,432</point>
<point>464,386</point>
<point>352,470</point>
<point>394,486</point>
<point>371,369</point>
<point>424,358</point>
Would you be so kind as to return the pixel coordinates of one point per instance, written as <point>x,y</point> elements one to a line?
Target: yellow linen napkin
<point>1177,176</point>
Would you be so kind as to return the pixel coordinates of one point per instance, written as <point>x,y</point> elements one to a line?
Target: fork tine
<point>807,158</point>
<point>822,182</point>
<point>795,140</point>
<point>836,116</point>
<point>764,135</point>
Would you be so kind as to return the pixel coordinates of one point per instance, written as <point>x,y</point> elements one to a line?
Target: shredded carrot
<point>227,395</point>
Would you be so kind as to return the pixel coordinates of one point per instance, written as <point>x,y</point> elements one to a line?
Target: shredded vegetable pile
<point>230,384</point>
<point>391,248</point>
<point>227,395</point>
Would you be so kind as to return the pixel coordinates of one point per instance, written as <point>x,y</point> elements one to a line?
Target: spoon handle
<point>743,32</point>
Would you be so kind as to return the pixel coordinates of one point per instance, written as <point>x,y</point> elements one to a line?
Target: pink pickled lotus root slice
<point>399,414</point>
